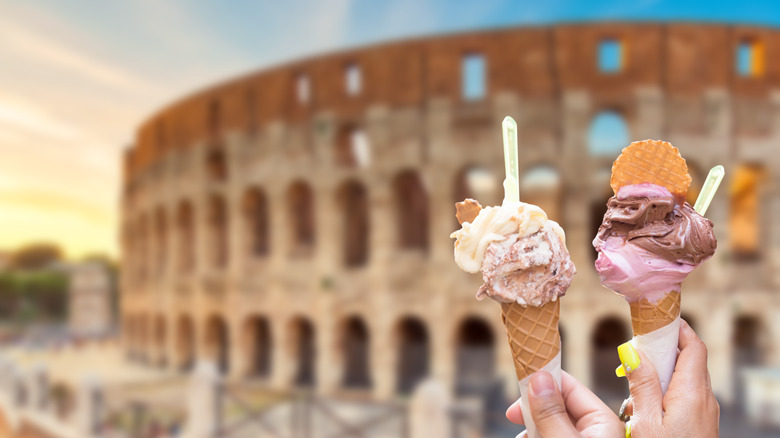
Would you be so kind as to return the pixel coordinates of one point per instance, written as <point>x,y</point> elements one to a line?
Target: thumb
<point>547,409</point>
<point>644,386</point>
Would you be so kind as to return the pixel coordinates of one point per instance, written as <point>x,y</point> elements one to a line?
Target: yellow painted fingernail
<point>628,430</point>
<point>628,357</point>
<point>620,371</point>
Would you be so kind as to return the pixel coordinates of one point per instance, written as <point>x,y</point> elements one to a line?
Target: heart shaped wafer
<point>655,162</point>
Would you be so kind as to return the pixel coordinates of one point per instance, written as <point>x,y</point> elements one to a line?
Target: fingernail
<point>620,371</point>
<point>628,357</point>
<point>542,384</point>
<point>628,430</point>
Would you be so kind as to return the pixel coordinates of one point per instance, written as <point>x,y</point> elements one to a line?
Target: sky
<point>77,78</point>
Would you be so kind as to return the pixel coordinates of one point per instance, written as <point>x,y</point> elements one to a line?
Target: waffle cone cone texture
<point>647,316</point>
<point>533,335</point>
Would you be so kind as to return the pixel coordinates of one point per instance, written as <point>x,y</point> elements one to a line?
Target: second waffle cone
<point>533,335</point>
<point>647,316</point>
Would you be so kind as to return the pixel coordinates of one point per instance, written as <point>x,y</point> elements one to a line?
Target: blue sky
<point>76,78</point>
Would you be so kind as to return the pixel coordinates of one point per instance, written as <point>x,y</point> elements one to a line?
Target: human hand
<point>575,412</point>
<point>688,408</point>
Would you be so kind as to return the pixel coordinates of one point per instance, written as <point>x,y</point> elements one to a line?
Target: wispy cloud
<point>52,54</point>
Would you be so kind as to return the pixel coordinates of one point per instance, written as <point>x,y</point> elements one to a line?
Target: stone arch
<point>216,162</point>
<point>303,349</point>
<point>355,351</point>
<point>144,241</point>
<point>748,341</point>
<point>411,202</point>
<point>353,200</point>
<point>161,236</point>
<point>258,342</point>
<point>185,220</point>
<point>476,182</point>
<point>160,340</point>
<point>413,353</point>
<point>218,231</point>
<point>608,134</point>
<point>475,356</point>
<point>256,220</point>
<point>697,180</point>
<point>217,344</point>
<point>300,206</point>
<point>185,343</point>
<point>542,185</point>
<point>745,233</point>
<point>608,333</point>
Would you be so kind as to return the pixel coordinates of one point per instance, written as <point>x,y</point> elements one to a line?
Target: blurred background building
<point>293,223</point>
<point>285,261</point>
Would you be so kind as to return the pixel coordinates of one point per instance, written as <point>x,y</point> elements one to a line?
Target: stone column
<point>204,407</point>
<point>650,114</point>
<point>89,408</point>
<point>429,411</point>
<point>38,388</point>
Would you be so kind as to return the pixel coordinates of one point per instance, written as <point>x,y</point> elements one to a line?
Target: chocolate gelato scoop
<point>658,225</point>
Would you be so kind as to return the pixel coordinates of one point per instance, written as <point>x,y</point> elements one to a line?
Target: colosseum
<point>293,224</point>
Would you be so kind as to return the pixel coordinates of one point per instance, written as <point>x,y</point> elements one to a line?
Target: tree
<point>36,256</point>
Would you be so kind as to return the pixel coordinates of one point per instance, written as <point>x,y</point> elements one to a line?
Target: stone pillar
<point>37,384</point>
<point>429,411</point>
<point>650,114</point>
<point>203,408</point>
<point>89,408</point>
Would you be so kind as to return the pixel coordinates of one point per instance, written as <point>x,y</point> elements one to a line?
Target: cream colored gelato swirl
<point>494,224</point>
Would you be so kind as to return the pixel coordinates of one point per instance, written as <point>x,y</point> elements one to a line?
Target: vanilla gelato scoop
<point>521,253</point>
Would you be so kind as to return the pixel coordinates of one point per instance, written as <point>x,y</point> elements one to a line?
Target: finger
<point>547,407</point>
<point>515,413</point>
<point>692,361</point>
<point>579,400</point>
<point>643,383</point>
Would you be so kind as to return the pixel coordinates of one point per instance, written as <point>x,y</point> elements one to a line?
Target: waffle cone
<point>533,335</point>
<point>652,161</point>
<point>647,316</point>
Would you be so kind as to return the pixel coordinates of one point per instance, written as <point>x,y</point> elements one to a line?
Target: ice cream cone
<point>647,316</point>
<point>533,335</point>
<point>655,162</point>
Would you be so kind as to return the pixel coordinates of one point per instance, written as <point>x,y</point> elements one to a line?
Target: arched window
<point>475,357</point>
<point>356,354</point>
<point>476,183</point>
<point>354,210</point>
<point>162,244</point>
<point>608,134</point>
<point>256,222</point>
<point>214,118</point>
<point>160,334</point>
<point>186,224</point>
<point>744,221</point>
<point>143,247</point>
<point>185,343</point>
<point>607,335</point>
<point>300,202</point>
<point>413,354</point>
<point>218,227</point>
<point>218,342</point>
<point>304,351</point>
<point>749,342</point>
<point>541,185</point>
<point>258,343</point>
<point>411,203</point>
<point>352,147</point>
<point>216,163</point>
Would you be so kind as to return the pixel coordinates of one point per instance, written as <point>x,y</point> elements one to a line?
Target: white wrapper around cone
<point>553,367</point>
<point>660,348</point>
